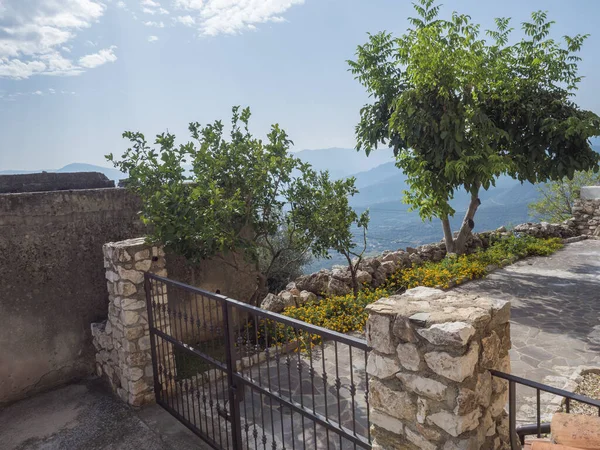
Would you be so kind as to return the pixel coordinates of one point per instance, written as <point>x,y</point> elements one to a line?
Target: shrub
<point>342,313</point>
<point>345,313</point>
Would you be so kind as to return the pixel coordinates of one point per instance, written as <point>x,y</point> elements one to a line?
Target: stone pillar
<point>430,386</point>
<point>123,341</point>
<point>586,211</point>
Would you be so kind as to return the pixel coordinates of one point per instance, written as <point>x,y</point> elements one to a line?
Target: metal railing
<point>539,428</point>
<point>244,378</point>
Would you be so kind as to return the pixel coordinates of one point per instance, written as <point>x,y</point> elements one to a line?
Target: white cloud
<point>121,5</point>
<point>35,35</point>
<point>13,96</point>
<point>189,4</point>
<point>152,38</point>
<point>155,24</point>
<point>215,17</point>
<point>97,59</point>
<point>152,7</point>
<point>185,20</point>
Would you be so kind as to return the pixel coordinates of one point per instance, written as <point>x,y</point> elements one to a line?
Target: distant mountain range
<point>381,186</point>
<point>342,162</point>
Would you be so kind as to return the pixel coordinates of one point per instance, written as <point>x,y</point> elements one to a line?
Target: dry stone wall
<point>122,341</point>
<point>373,271</point>
<point>587,216</point>
<point>430,383</point>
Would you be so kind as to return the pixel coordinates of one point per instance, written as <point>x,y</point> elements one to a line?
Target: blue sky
<point>74,74</point>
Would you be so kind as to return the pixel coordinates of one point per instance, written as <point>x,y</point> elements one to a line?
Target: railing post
<point>512,416</point>
<point>148,289</point>
<point>430,383</point>
<point>230,357</point>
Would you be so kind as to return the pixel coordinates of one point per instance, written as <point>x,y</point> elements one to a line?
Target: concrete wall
<point>52,283</point>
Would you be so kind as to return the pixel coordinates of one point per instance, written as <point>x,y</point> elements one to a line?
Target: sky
<point>75,74</point>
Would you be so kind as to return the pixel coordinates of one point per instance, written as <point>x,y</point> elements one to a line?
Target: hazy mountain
<point>111,174</point>
<point>342,162</point>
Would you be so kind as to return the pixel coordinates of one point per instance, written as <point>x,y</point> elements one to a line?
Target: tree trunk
<point>261,289</point>
<point>459,245</point>
<point>353,270</point>
<point>448,237</point>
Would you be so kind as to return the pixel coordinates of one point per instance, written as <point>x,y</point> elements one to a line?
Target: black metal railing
<point>244,378</point>
<point>518,433</point>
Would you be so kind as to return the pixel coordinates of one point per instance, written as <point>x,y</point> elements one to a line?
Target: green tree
<point>288,266</point>
<point>213,196</point>
<point>338,224</point>
<point>556,197</point>
<point>460,110</point>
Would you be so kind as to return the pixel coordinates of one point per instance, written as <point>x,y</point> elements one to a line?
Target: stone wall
<point>430,385</point>
<point>122,341</point>
<point>586,211</point>
<point>45,181</point>
<point>373,271</point>
<point>53,283</point>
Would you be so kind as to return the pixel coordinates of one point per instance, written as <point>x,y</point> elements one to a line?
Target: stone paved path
<point>555,324</point>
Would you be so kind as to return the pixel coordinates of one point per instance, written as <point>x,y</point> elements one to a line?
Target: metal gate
<point>244,378</point>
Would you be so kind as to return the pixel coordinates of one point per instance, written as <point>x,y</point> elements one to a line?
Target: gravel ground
<point>590,387</point>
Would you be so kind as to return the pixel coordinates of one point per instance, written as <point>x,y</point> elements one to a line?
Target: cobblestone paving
<point>555,324</point>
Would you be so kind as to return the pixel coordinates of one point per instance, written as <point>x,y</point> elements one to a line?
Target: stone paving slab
<point>555,317</point>
<point>87,416</point>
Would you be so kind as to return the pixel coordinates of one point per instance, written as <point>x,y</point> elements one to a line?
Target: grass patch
<point>189,365</point>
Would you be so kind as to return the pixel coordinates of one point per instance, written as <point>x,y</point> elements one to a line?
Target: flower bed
<point>344,313</point>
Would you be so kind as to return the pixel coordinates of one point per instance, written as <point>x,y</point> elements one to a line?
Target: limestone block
<point>379,335</point>
<point>453,424</point>
<point>404,331</point>
<point>395,403</point>
<point>491,351</point>
<point>142,254</point>
<point>454,334</point>
<point>426,387</point>
<point>409,356</point>
<point>132,304</point>
<point>135,276</point>
<point>273,303</point>
<point>422,410</point>
<point>483,388</point>
<point>386,422</point>
<point>306,296</point>
<point>133,333</point>
<point>144,343</point>
<point>382,367</point>
<point>466,401</point>
<point>338,287</point>
<point>419,440</point>
<point>143,265</point>
<point>455,368</point>
<point>126,288</point>
<point>129,318</point>
<point>135,373</point>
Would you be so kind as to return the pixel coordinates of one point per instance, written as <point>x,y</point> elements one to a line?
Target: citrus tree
<point>460,110</point>
<point>216,196</point>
